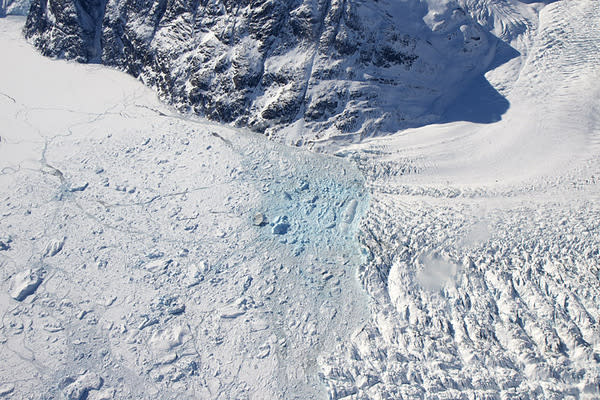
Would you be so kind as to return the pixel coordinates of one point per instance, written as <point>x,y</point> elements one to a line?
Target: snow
<point>156,277</point>
<point>483,236</point>
<point>184,259</point>
<point>24,284</point>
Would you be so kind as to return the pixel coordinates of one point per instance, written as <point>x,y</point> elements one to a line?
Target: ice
<point>170,273</point>
<point>281,224</point>
<point>457,260</point>
<point>167,339</point>
<point>259,219</point>
<point>5,243</point>
<point>6,389</point>
<point>81,387</point>
<point>350,211</point>
<point>480,245</point>
<point>54,247</point>
<point>25,283</point>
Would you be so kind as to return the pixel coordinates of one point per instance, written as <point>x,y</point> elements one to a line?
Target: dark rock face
<point>72,29</point>
<point>14,7</point>
<point>336,67</point>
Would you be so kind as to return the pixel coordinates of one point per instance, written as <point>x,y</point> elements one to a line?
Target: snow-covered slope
<point>330,69</point>
<point>485,239</point>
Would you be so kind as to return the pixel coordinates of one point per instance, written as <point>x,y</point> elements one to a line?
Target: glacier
<point>149,253</point>
<point>145,275</point>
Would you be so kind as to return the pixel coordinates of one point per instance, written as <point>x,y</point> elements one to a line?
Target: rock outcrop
<point>335,68</point>
<point>14,7</point>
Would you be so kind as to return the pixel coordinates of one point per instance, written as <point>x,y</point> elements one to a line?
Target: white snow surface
<point>485,238</point>
<point>452,261</point>
<point>129,249</point>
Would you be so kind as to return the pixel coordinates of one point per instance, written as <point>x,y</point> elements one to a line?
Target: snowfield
<point>146,254</point>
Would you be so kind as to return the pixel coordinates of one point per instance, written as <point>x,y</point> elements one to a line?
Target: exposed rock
<point>14,7</point>
<point>336,67</point>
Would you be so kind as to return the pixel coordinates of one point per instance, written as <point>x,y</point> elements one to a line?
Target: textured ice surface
<point>156,279</point>
<point>481,240</point>
<point>485,240</point>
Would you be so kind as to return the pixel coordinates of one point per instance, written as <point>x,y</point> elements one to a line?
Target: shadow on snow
<point>479,101</point>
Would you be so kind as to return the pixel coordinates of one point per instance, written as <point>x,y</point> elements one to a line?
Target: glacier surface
<point>148,254</point>
<point>131,266</point>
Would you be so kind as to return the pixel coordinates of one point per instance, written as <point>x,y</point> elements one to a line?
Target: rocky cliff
<point>14,7</point>
<point>302,70</point>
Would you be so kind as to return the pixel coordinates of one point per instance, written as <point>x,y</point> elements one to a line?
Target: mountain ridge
<point>348,69</point>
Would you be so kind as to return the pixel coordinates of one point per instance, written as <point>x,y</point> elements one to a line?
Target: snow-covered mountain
<point>302,69</point>
<point>14,7</point>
